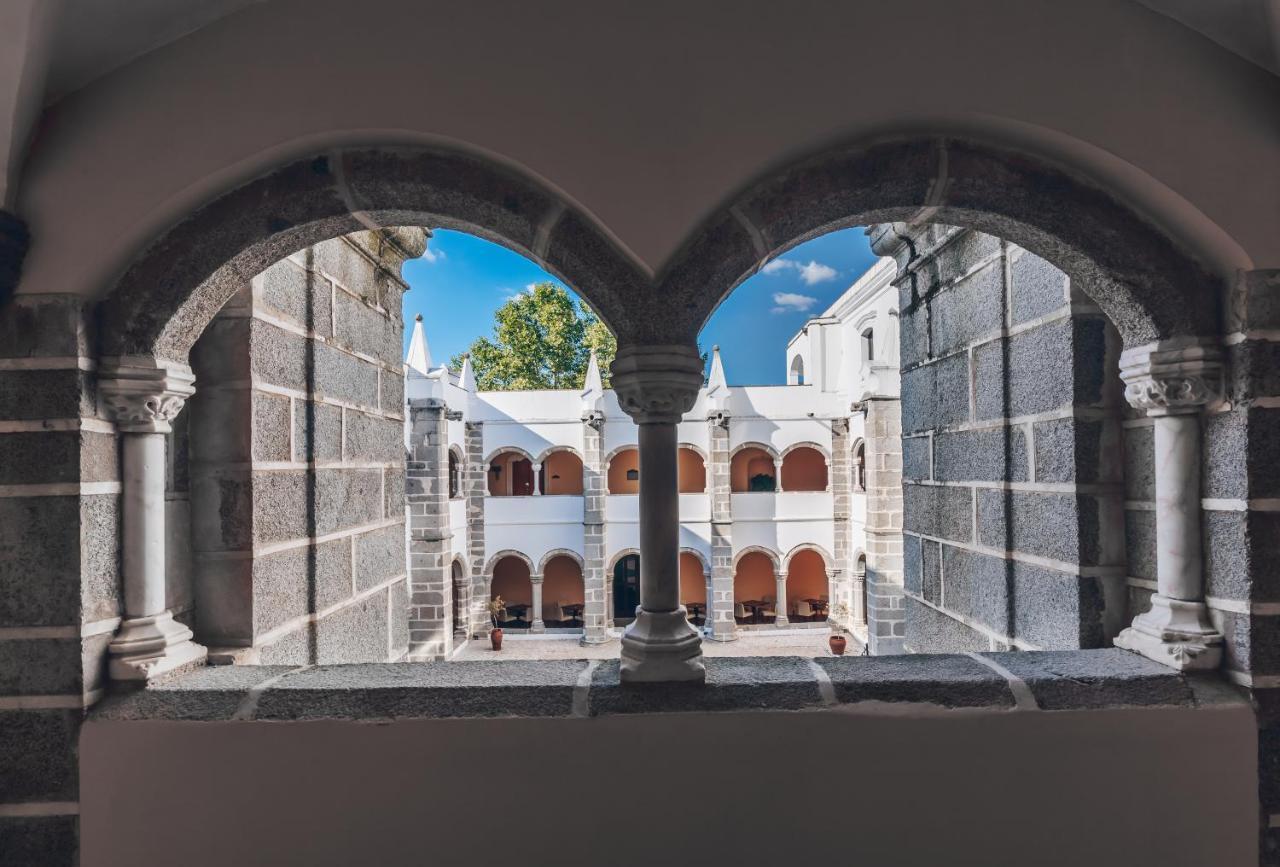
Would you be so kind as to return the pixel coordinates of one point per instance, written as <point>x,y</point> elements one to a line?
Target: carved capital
<point>657,384</point>
<point>143,394</point>
<point>1171,377</point>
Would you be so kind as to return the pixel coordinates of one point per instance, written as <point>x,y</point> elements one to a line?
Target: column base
<point>661,646</point>
<point>147,648</point>
<point>538,626</point>
<point>781,620</point>
<point>1175,633</point>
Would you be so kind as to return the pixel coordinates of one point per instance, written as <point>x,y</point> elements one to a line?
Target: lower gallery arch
<point>563,593</point>
<point>624,585</point>
<point>808,588</point>
<point>693,584</point>
<point>461,597</point>
<point>511,582</point>
<point>755,586</point>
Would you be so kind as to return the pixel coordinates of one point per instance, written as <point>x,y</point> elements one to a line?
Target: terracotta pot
<point>838,644</point>
<point>495,638</point>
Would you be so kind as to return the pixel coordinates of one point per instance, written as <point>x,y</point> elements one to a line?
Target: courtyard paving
<point>781,642</point>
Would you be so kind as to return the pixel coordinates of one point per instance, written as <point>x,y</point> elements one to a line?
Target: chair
<point>768,610</point>
<point>804,609</point>
<point>552,612</point>
<point>740,611</point>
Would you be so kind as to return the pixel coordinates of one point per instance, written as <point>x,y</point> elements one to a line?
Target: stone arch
<point>1147,284</point>
<point>858,464</point>
<point>457,471</point>
<point>617,480</point>
<point>752,444</point>
<point>807,444</point>
<point>551,450</point>
<point>617,450</point>
<point>859,562</point>
<point>695,448</point>
<point>502,555</point>
<point>757,549</point>
<point>796,372</point>
<point>502,450</point>
<point>561,552</point>
<point>702,558</point>
<point>808,546</point>
<point>618,555</point>
<point>172,290</point>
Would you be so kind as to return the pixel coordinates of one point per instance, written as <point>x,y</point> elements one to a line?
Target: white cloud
<point>792,302</point>
<point>812,273</point>
<point>816,272</point>
<point>530,287</point>
<point>432,256</point>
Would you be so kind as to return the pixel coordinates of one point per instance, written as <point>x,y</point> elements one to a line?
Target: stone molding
<point>142,394</point>
<point>1172,377</point>
<point>657,384</point>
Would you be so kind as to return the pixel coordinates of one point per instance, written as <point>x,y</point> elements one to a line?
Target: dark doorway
<point>626,589</point>
<point>460,602</point>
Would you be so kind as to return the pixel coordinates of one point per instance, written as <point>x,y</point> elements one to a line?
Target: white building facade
<point>532,496</point>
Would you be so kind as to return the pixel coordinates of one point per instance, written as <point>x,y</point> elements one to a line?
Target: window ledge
<point>1040,681</point>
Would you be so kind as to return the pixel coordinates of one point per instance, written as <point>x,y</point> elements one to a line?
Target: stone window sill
<point>1041,681</point>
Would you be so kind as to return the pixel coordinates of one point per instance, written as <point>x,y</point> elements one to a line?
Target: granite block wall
<point>1013,492</point>
<point>59,569</point>
<point>297,461</point>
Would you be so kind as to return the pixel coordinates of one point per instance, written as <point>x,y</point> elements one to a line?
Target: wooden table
<point>574,611</point>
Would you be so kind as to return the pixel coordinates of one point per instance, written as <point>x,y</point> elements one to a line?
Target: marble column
<point>142,396</point>
<point>1173,381</point>
<point>780,598</point>
<point>777,475</point>
<point>535,619</point>
<point>656,386</point>
<point>537,480</point>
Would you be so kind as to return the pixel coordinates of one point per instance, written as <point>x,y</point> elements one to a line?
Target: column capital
<point>535,578</point>
<point>143,394</point>
<point>657,384</point>
<point>1173,377</point>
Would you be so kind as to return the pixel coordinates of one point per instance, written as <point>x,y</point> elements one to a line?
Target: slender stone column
<point>780,602</point>
<point>537,480</point>
<point>535,622</point>
<point>142,396</point>
<point>777,475</point>
<point>1172,381</point>
<point>656,385</point>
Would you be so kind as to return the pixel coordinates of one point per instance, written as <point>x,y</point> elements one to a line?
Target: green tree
<point>541,339</point>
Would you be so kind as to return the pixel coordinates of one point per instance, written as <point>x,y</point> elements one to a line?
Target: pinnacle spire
<point>419,358</point>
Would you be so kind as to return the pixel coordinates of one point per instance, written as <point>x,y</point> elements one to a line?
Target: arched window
<point>868,345</point>
<point>511,475</point>
<point>860,466</point>
<point>804,469</point>
<point>751,470</point>
<point>461,600</point>
<point>623,475</point>
<point>797,371</point>
<point>455,479</point>
<point>691,471</point>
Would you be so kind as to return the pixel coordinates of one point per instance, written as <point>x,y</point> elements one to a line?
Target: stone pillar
<point>780,602</point>
<point>595,617</point>
<point>430,534</point>
<point>886,607</point>
<point>474,486</point>
<point>537,480</point>
<point>536,623</point>
<point>777,475</point>
<point>142,396</point>
<point>720,625</point>
<point>838,480</point>
<point>1173,381</point>
<point>656,385</point>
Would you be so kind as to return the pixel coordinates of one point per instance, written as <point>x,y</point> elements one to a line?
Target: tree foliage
<point>541,339</point>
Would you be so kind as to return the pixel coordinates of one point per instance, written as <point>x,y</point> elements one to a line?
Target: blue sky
<point>461,280</point>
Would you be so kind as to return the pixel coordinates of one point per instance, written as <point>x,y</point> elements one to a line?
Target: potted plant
<point>497,613</point>
<point>839,615</point>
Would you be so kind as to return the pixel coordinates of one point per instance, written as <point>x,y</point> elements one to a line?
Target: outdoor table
<point>755,605</point>
<point>574,611</point>
<point>695,609</point>
<point>518,610</point>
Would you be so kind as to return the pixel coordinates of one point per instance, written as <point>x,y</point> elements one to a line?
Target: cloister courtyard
<point>802,643</point>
